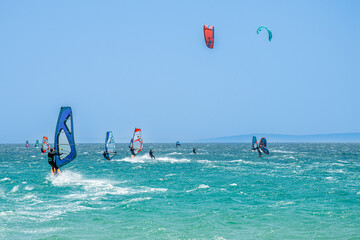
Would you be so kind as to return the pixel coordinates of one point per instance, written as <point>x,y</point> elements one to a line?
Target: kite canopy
<point>64,138</point>
<point>263,145</point>
<point>209,36</point>
<point>269,32</point>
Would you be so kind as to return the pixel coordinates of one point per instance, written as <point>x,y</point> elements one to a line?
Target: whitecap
<point>172,160</point>
<point>135,200</point>
<point>29,188</point>
<point>174,153</point>
<point>15,188</point>
<point>5,179</point>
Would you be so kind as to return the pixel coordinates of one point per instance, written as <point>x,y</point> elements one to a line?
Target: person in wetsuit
<point>132,150</point>
<point>151,153</point>
<point>258,149</point>
<point>106,155</point>
<point>194,150</point>
<point>42,150</point>
<point>51,160</point>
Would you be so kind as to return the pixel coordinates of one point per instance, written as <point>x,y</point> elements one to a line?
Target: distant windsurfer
<point>194,150</point>
<point>106,155</point>
<point>151,153</point>
<point>51,155</point>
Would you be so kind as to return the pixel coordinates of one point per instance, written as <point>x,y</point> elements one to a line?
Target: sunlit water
<point>299,191</point>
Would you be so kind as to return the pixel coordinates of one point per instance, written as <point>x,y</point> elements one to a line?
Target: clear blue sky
<point>121,64</point>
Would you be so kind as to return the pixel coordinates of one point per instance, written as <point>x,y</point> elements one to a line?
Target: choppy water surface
<point>299,191</point>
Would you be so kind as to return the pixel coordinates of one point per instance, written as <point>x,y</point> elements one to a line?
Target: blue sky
<point>126,64</point>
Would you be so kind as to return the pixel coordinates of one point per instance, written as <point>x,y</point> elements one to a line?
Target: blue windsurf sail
<point>178,144</point>
<point>27,144</point>
<point>64,138</point>
<point>37,144</point>
<point>263,146</point>
<point>110,144</point>
<point>254,144</point>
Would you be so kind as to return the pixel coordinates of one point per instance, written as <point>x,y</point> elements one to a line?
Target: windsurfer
<point>132,150</point>
<point>194,150</point>
<point>106,155</point>
<point>51,161</point>
<point>151,153</point>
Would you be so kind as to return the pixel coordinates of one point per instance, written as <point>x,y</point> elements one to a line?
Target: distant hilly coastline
<point>312,138</point>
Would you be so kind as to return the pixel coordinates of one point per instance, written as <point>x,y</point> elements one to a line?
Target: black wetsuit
<point>152,154</point>
<point>51,161</point>
<point>194,150</point>
<point>133,151</point>
<point>106,155</point>
<point>258,149</point>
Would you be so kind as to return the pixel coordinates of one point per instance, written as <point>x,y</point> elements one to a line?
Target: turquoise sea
<point>299,191</point>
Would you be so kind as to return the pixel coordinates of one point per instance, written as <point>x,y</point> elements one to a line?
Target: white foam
<point>147,159</point>
<point>172,160</point>
<point>201,186</point>
<point>15,189</point>
<point>135,200</point>
<point>280,151</point>
<point>233,184</point>
<point>174,153</point>
<point>282,203</point>
<point>5,179</point>
<point>6,213</point>
<point>96,188</point>
<point>29,188</point>
<point>137,159</point>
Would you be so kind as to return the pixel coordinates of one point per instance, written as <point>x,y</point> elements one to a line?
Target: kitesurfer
<point>106,155</point>
<point>51,161</point>
<point>151,153</point>
<point>194,150</point>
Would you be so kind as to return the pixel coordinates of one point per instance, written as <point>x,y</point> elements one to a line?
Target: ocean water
<point>299,191</point>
